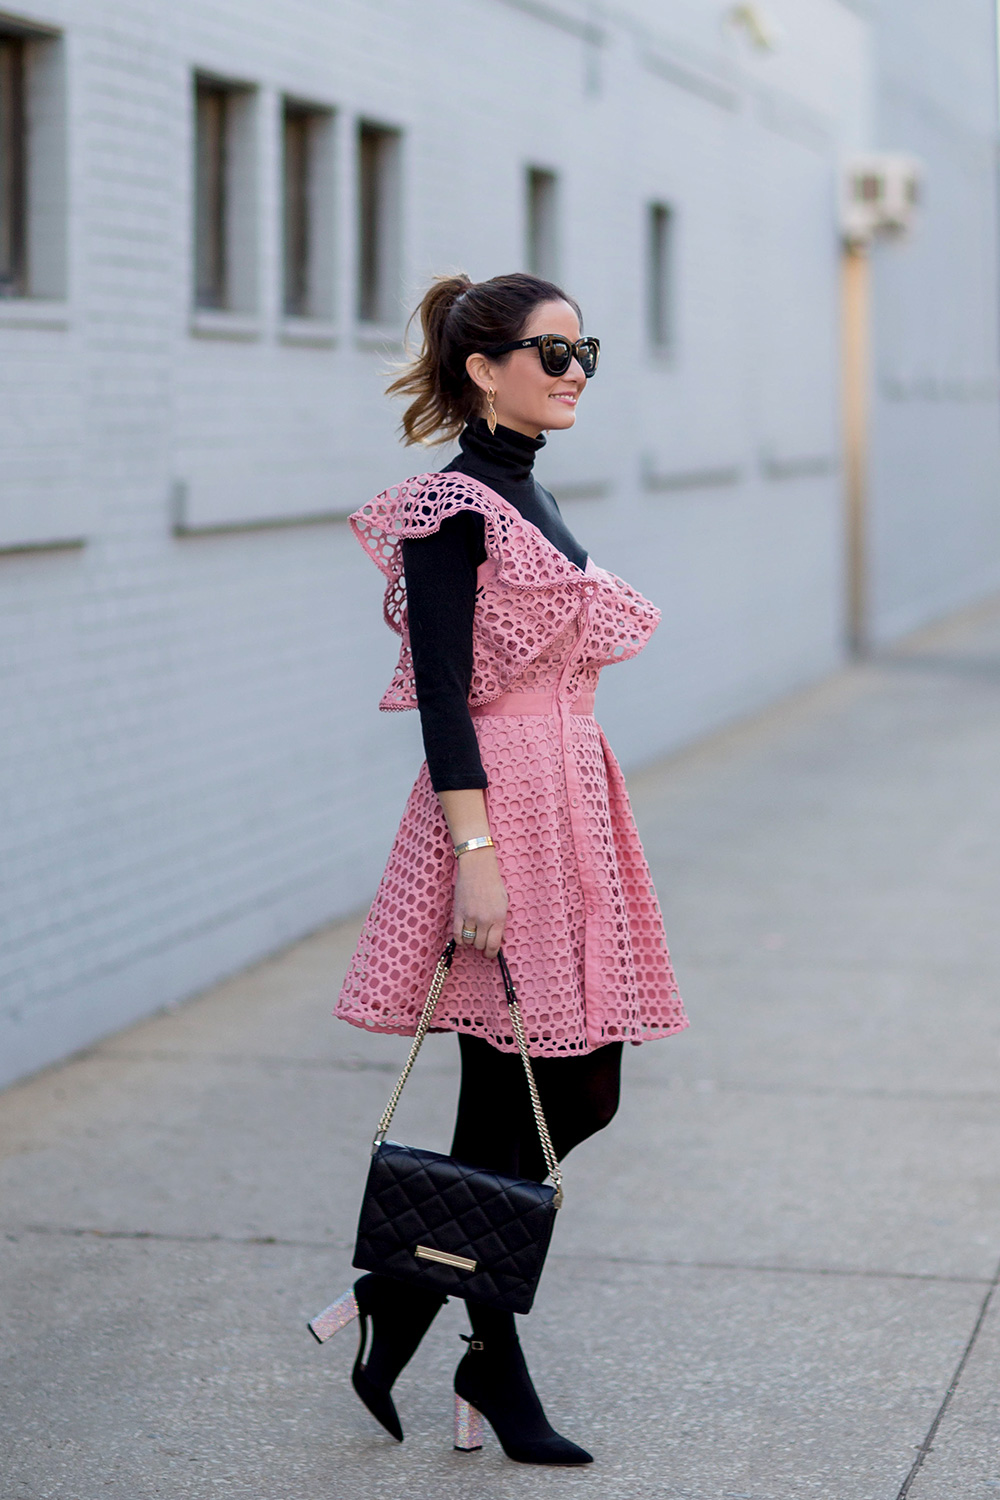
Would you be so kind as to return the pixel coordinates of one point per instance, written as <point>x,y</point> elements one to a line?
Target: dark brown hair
<point>459,317</point>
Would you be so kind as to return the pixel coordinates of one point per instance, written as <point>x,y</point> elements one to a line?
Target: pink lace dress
<point>584,934</point>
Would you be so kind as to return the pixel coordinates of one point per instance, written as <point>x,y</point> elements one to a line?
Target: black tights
<point>496,1129</point>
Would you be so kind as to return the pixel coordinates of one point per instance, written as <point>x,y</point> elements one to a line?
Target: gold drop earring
<point>491,411</point>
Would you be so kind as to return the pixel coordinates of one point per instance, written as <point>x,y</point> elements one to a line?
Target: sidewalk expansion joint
<point>81,1232</point>
<point>247,1059</point>
<point>73,1231</point>
<point>821,1091</point>
<point>670,1082</point>
<point>927,1445</point>
<point>856,1272</point>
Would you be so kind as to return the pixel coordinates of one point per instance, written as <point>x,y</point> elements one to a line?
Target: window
<point>379,226</point>
<point>32,163</point>
<point>660,277</point>
<point>13,173</point>
<point>210,195</point>
<point>45,499</point>
<point>225,231</point>
<point>307,211</point>
<point>542,223</point>
<point>297,215</point>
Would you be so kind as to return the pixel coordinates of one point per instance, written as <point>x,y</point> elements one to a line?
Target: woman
<point>518,830</point>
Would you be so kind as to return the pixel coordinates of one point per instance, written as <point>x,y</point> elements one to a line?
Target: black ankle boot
<point>492,1381</point>
<point>400,1315</point>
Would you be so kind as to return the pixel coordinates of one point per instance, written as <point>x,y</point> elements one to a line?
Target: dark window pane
<point>297,173</point>
<point>378,224</point>
<point>13,173</point>
<point>542,224</point>
<point>660,276</point>
<point>369,225</point>
<point>211,121</point>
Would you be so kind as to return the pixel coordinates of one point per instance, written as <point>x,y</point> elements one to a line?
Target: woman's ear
<point>480,371</point>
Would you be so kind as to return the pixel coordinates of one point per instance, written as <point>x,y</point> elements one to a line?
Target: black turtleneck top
<point>440,573</point>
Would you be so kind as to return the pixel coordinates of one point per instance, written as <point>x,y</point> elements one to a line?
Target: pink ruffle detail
<point>528,591</point>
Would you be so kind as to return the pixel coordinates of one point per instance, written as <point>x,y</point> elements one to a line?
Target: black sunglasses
<point>556,352</point>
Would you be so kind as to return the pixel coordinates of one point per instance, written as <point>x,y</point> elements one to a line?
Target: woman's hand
<point>480,902</point>
<point>480,898</point>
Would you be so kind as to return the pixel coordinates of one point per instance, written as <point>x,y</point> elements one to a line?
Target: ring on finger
<point>468,933</point>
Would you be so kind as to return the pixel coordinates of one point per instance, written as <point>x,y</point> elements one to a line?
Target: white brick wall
<point>193,767</point>
<point>936,464</point>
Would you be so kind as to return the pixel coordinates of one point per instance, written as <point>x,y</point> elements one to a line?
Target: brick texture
<point>192,766</point>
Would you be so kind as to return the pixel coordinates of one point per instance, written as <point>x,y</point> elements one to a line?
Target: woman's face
<point>528,399</point>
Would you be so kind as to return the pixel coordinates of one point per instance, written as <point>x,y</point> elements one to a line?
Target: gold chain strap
<point>423,1026</point>
<point>548,1150</point>
<point>433,996</point>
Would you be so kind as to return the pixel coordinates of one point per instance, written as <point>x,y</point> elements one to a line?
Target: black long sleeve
<point>440,574</point>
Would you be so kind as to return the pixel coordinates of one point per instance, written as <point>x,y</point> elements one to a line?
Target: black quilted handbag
<point>448,1226</point>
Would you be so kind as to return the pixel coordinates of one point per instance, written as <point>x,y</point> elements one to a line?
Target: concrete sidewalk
<point>769,1271</point>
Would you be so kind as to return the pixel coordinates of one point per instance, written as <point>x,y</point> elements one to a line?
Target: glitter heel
<point>396,1316</point>
<point>335,1317</point>
<point>492,1384</point>
<point>468,1427</point>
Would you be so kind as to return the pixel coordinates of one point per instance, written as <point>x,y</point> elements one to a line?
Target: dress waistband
<point>532,703</point>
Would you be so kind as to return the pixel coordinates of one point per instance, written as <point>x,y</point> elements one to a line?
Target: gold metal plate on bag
<point>457,1262</point>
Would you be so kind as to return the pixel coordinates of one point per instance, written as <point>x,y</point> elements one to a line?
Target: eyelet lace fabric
<point>584,935</point>
<point>528,591</point>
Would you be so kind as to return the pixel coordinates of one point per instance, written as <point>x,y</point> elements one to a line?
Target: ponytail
<point>433,409</point>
